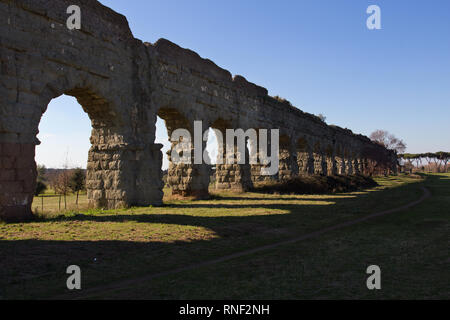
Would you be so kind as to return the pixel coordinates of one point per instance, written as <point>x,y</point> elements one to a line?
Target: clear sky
<point>318,54</point>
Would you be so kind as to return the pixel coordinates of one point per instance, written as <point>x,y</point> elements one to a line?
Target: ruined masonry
<point>123,84</point>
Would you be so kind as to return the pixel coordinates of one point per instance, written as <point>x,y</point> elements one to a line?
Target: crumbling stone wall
<point>123,84</point>
<point>106,69</point>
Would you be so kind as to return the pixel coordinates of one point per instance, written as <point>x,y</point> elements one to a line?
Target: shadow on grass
<point>23,263</point>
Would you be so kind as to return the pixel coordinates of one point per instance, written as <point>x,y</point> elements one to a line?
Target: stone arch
<point>351,161</point>
<point>89,94</point>
<point>318,158</point>
<point>331,161</point>
<point>356,163</point>
<point>347,161</point>
<point>288,166</point>
<point>221,125</point>
<point>108,159</point>
<point>340,161</point>
<point>256,174</point>
<point>365,165</point>
<point>236,177</point>
<point>302,148</point>
<point>107,155</point>
<point>185,179</point>
<point>174,119</point>
<point>104,157</point>
<point>255,169</point>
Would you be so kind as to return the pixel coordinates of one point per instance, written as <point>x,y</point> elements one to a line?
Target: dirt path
<point>127,283</point>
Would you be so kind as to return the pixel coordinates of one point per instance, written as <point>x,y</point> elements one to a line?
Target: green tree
<point>40,188</point>
<point>41,171</point>
<point>77,181</point>
<point>444,158</point>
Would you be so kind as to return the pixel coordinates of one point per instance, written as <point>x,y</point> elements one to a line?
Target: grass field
<point>410,246</point>
<point>50,203</point>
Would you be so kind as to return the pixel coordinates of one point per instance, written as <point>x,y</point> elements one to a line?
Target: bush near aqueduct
<point>317,184</point>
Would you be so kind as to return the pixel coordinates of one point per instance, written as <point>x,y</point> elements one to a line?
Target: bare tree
<point>62,185</point>
<point>62,182</point>
<point>443,158</point>
<point>388,140</point>
<point>41,173</point>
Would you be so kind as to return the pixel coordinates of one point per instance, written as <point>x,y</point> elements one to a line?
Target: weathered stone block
<point>7,175</point>
<point>11,187</point>
<point>11,149</point>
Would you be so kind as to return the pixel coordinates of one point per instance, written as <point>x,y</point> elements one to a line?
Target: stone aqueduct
<point>123,84</point>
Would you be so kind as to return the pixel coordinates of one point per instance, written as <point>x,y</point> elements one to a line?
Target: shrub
<point>40,188</point>
<point>282,100</point>
<point>316,184</point>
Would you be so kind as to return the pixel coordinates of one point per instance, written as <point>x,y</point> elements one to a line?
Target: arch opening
<point>61,154</point>
<point>184,178</point>
<point>100,157</point>
<point>64,134</point>
<point>231,175</point>
<point>303,156</point>
<point>288,167</point>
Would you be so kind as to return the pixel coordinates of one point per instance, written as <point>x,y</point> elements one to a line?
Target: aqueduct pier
<point>123,84</point>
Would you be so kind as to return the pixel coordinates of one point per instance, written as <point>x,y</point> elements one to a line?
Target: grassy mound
<point>316,184</point>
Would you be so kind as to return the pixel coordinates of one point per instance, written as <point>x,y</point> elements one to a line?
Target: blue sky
<point>318,54</point>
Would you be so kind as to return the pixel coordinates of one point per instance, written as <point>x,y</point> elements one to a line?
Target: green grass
<point>51,203</point>
<point>411,246</point>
